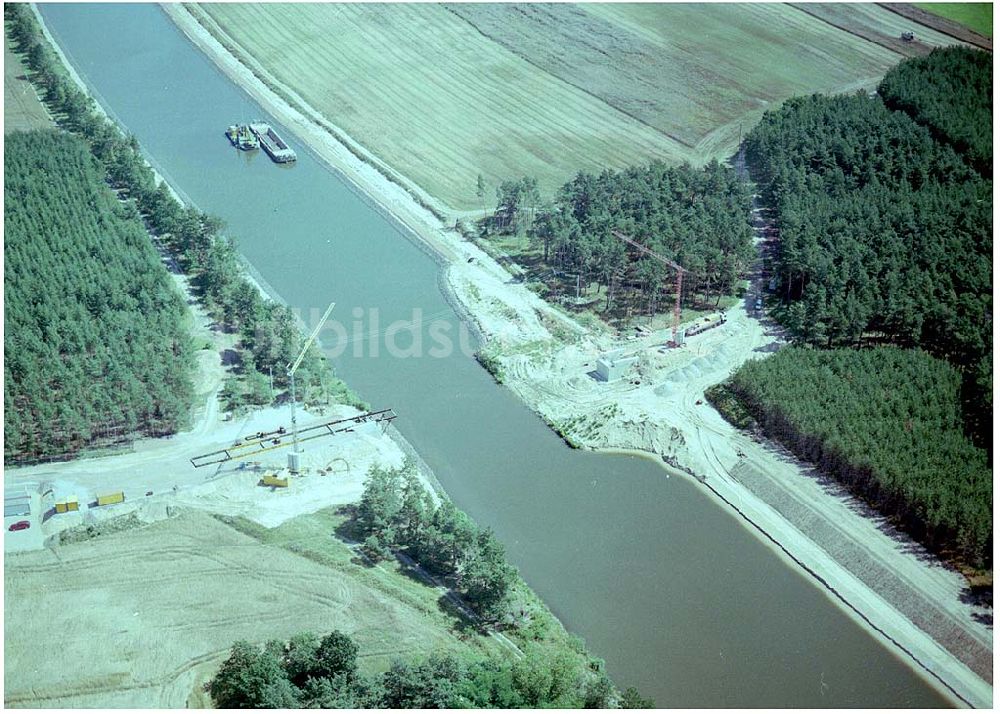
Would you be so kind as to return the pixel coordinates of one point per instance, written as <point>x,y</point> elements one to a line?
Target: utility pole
<point>293,456</point>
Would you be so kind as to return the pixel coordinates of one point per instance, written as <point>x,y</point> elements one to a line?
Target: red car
<point>19,526</point>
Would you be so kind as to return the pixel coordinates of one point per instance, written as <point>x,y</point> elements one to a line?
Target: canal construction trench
<point>659,578</point>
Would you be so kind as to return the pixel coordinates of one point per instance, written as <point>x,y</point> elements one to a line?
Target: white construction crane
<point>293,456</point>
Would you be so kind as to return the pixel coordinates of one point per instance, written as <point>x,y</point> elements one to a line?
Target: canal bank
<point>660,580</point>
<point>883,583</point>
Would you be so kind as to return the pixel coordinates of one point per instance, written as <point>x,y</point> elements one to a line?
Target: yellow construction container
<point>69,504</point>
<point>273,480</point>
<point>111,498</point>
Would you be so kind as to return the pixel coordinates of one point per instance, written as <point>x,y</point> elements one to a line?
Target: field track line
<point>600,99</point>
<point>90,690</point>
<point>804,7</point>
<point>938,23</point>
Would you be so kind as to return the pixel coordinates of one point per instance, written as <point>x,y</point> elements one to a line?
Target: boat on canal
<point>273,144</point>
<point>242,137</point>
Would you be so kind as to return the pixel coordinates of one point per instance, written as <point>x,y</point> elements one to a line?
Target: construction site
<point>259,461</point>
<point>131,574</point>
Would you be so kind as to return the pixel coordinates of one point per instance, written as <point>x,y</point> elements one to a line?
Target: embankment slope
<point>550,375</point>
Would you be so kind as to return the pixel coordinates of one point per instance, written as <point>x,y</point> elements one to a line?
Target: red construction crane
<point>666,261</point>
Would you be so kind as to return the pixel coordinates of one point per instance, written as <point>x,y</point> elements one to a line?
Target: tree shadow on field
<point>462,625</point>
<point>464,620</point>
<point>349,533</point>
<point>450,602</point>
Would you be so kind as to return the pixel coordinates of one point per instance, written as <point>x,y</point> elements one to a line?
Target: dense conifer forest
<point>886,233</point>
<point>96,344</point>
<point>269,336</point>
<point>888,423</point>
<point>951,92</point>
<point>699,218</point>
<point>886,239</point>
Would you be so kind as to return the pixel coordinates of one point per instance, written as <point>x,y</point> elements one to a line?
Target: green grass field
<point>311,536</point>
<point>443,93</point>
<point>976,16</point>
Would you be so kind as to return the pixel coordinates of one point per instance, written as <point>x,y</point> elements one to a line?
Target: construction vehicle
<point>708,325</point>
<point>110,499</point>
<point>274,481</point>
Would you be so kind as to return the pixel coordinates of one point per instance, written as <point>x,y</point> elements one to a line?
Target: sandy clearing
<point>551,377</point>
<point>163,467</point>
<point>140,618</point>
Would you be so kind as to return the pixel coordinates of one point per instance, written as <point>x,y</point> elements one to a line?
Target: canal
<point>662,582</point>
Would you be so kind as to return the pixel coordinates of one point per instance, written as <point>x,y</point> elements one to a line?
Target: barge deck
<point>273,144</point>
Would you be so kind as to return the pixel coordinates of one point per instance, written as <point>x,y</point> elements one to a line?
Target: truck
<point>274,481</point>
<point>707,325</point>
<point>109,499</point>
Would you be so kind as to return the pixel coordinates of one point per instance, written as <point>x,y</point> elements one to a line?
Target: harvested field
<point>685,70</point>
<point>141,618</point>
<point>875,24</point>
<point>21,108</point>
<point>442,94</point>
<point>433,98</point>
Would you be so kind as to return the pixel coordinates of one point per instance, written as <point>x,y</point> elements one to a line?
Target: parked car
<point>19,526</point>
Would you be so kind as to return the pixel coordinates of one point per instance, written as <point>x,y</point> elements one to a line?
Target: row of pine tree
<point>97,346</point>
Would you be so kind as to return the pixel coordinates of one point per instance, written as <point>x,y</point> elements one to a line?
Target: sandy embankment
<point>545,358</point>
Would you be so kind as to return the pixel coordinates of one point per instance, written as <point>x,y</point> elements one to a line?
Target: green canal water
<point>660,579</point>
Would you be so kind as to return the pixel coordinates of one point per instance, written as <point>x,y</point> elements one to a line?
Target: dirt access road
<point>163,467</point>
<point>877,574</point>
<point>545,358</point>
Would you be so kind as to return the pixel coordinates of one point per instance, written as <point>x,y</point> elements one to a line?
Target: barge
<point>242,137</point>
<point>273,144</point>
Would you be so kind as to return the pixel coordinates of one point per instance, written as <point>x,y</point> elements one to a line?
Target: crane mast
<point>669,263</point>
<point>293,456</point>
